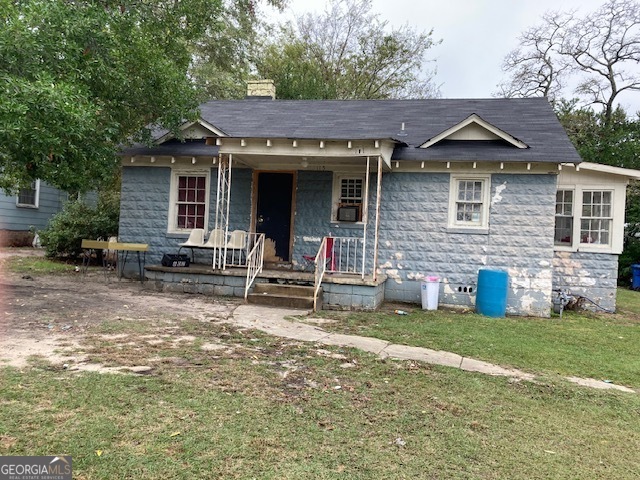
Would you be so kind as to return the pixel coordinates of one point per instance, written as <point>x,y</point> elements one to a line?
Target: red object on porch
<point>329,253</point>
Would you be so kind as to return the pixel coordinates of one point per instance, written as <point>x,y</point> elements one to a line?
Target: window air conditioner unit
<point>349,213</point>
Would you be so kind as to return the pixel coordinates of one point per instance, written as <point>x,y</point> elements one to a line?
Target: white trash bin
<point>430,292</point>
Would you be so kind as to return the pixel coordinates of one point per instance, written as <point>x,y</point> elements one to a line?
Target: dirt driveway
<point>49,316</point>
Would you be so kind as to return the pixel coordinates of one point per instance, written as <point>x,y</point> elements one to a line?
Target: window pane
<point>563,231</point>
<point>469,204</point>
<point>595,231</point>
<point>191,201</point>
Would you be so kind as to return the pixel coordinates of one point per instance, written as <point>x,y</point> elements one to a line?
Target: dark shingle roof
<point>530,120</point>
<point>174,148</point>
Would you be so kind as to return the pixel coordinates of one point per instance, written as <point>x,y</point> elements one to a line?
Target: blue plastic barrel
<point>635,276</point>
<point>491,294</point>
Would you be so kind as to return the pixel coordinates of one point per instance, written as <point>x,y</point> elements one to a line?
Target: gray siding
<point>17,218</point>
<point>590,275</point>
<point>144,213</point>
<point>415,242</point>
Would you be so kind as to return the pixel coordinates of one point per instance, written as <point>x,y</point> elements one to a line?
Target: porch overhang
<point>296,154</point>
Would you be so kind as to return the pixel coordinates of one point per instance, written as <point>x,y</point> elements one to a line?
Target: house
<point>381,193</point>
<point>28,211</point>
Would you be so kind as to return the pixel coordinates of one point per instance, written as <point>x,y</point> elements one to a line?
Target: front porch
<point>339,291</point>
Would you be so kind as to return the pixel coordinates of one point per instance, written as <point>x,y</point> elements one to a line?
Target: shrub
<point>77,220</point>
<point>630,255</point>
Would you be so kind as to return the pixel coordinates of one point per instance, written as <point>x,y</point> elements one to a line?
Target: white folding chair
<point>195,240</point>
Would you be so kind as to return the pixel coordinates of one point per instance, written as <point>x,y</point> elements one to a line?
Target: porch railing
<point>235,249</point>
<point>255,261</point>
<point>321,268</point>
<point>347,255</point>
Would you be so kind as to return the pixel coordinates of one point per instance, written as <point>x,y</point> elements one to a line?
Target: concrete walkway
<point>273,321</point>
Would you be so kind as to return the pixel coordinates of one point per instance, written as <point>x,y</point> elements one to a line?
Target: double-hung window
<point>29,197</point>
<point>584,217</point>
<point>469,201</point>
<point>348,196</point>
<point>564,217</point>
<point>189,201</point>
<point>597,217</point>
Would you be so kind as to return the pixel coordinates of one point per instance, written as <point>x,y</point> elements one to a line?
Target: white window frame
<point>173,198</point>
<point>337,195</point>
<point>36,203</point>
<point>615,244</point>
<point>572,216</point>
<point>483,224</point>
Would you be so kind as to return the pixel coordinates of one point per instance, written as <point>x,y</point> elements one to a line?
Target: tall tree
<point>80,78</point>
<point>223,58</point>
<point>536,69</point>
<point>601,49</point>
<point>348,52</point>
<point>613,142</point>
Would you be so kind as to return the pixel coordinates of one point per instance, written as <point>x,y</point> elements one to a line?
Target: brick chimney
<point>261,89</point>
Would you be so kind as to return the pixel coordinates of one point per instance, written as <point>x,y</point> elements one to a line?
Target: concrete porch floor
<point>286,275</point>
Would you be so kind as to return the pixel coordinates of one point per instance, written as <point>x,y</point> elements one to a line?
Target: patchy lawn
<point>212,401</point>
<point>259,407</point>
<point>602,346</point>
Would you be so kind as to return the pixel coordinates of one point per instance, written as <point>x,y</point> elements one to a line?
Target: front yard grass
<point>270,408</point>
<point>37,265</point>
<point>601,346</point>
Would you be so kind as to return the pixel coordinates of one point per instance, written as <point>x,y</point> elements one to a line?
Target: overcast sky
<point>476,35</point>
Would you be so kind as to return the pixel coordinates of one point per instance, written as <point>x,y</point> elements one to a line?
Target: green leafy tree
<point>223,58</point>
<point>347,52</point>
<point>80,78</point>
<point>613,142</point>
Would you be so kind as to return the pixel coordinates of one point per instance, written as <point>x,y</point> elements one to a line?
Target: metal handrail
<point>348,255</point>
<point>255,262</point>
<point>321,268</point>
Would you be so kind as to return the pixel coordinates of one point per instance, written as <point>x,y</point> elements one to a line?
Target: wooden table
<point>122,250</point>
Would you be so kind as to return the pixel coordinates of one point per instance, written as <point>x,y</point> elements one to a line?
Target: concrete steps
<point>285,296</point>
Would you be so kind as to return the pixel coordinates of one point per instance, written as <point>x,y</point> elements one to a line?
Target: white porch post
<point>222,209</point>
<point>365,218</point>
<point>377,227</point>
<point>226,225</point>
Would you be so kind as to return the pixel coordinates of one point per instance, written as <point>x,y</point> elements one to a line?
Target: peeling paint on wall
<point>393,274</point>
<point>527,302</point>
<point>387,243</point>
<point>497,198</point>
<point>398,255</point>
<point>448,290</point>
<point>415,276</point>
<point>386,265</point>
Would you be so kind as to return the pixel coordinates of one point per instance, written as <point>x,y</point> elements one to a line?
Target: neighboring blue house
<point>382,193</point>
<point>28,211</point>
